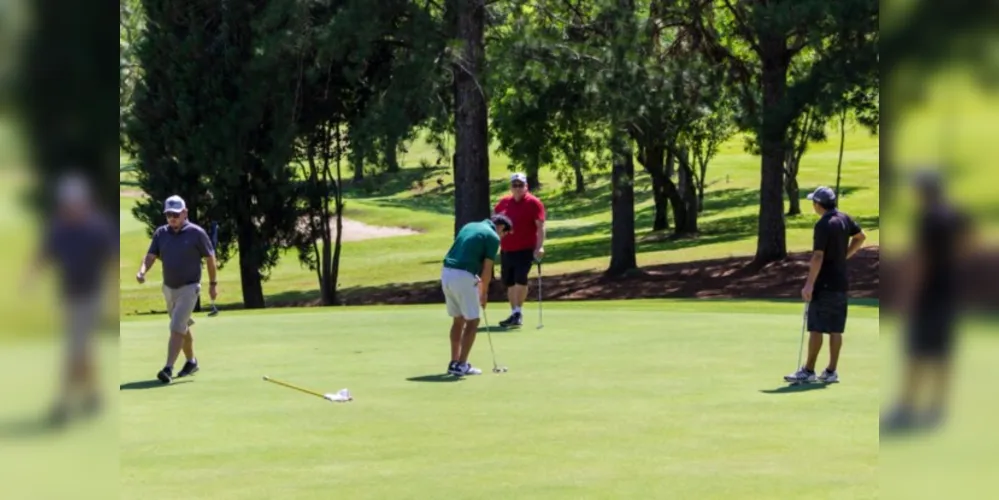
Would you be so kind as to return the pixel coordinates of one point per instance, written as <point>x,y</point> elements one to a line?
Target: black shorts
<point>827,312</point>
<point>516,266</point>
<point>930,333</point>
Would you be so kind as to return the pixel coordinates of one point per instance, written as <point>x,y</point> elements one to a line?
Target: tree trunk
<point>622,206</point>
<point>771,244</point>
<point>335,265</point>
<point>842,142</point>
<point>673,195</point>
<point>793,194</point>
<point>580,181</point>
<point>688,195</point>
<point>701,181</point>
<point>532,171</point>
<point>391,155</point>
<point>249,267</point>
<point>654,163</point>
<point>471,121</point>
<point>357,159</point>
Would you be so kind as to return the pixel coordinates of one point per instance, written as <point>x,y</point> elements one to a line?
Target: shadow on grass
<point>28,428</point>
<point>148,384</point>
<point>442,377</point>
<point>794,389</point>
<point>391,184</point>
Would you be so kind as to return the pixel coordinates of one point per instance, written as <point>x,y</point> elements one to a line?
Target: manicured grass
<point>661,399</point>
<point>579,228</point>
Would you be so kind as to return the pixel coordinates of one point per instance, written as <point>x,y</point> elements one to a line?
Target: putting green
<point>661,399</point>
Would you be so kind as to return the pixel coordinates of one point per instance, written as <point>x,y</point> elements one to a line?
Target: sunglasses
<point>517,185</point>
<point>172,215</point>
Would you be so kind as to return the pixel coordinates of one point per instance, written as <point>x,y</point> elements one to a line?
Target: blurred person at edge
<point>943,237</point>
<point>81,243</point>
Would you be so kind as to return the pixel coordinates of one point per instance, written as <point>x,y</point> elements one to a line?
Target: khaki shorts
<point>82,315</point>
<point>461,293</point>
<point>180,304</point>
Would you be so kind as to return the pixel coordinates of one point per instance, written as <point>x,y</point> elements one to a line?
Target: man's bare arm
<point>212,267</point>
<point>485,279</point>
<point>855,244</point>
<point>541,234</point>
<point>814,266</point>
<point>147,264</point>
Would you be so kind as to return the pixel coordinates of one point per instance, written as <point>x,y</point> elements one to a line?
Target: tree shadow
<point>794,389</point>
<point>442,377</point>
<point>149,384</point>
<point>390,184</point>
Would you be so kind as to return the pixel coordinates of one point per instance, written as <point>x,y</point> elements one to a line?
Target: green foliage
<point>210,122</point>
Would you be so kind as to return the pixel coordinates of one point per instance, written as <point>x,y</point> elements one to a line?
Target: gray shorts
<point>180,304</point>
<point>461,293</point>
<point>82,315</point>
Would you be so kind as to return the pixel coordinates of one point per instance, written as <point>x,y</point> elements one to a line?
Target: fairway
<point>654,399</point>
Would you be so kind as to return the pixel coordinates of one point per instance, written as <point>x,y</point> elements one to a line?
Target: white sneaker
<point>468,369</point>
<point>801,376</point>
<point>828,377</point>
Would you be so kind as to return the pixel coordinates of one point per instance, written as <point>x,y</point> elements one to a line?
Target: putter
<point>489,335</point>
<point>541,323</point>
<point>341,396</point>
<point>801,344</point>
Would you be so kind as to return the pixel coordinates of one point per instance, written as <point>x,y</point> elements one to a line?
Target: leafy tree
<point>210,122</point>
<point>759,42</point>
<point>63,123</point>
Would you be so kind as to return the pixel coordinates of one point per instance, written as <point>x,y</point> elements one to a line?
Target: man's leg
<point>183,301</point>
<point>835,344</point>
<point>468,339</point>
<point>457,327</point>
<point>814,347</point>
<point>189,345</point>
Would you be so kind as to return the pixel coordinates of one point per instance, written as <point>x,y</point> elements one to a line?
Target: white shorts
<point>180,304</point>
<point>461,293</point>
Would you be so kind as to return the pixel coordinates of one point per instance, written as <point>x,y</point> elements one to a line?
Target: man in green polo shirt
<point>468,269</point>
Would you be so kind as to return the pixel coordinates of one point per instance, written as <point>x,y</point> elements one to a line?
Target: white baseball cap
<point>73,189</point>
<point>518,177</point>
<point>174,204</point>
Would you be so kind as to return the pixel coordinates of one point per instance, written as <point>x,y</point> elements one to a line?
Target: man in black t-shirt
<point>945,237</point>
<point>836,238</point>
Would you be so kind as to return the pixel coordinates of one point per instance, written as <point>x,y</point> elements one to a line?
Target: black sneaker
<point>454,368</point>
<point>515,319</point>
<point>58,416</point>
<point>165,375</point>
<point>190,368</point>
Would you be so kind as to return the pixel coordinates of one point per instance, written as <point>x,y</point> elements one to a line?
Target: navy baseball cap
<point>822,194</point>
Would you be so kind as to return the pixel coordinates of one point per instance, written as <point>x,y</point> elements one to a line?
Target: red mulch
<point>718,278</point>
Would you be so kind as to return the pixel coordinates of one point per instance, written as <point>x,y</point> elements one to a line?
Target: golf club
<point>541,323</point>
<point>489,335</point>
<point>341,396</point>
<point>801,344</point>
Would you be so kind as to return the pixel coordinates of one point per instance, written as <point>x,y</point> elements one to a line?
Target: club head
<point>499,369</point>
<point>540,326</point>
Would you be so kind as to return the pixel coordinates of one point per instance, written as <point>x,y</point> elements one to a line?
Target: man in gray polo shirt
<point>80,242</point>
<point>181,245</point>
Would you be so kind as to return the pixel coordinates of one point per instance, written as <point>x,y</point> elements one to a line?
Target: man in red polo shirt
<point>524,246</point>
